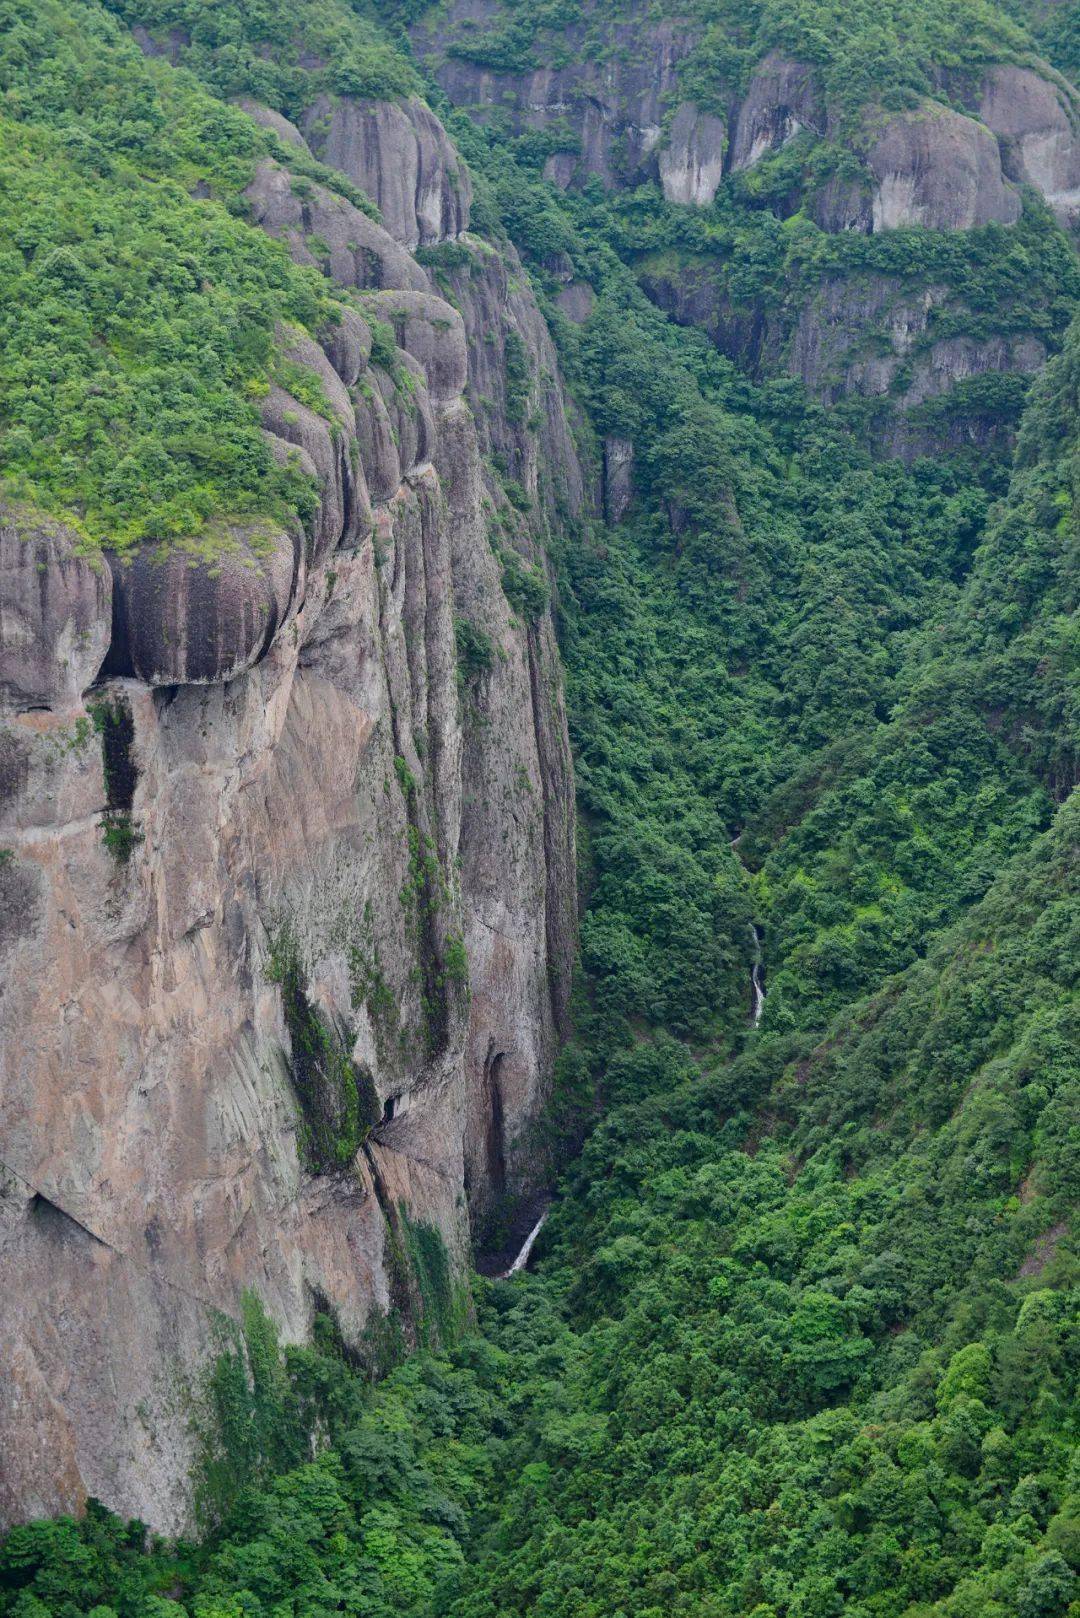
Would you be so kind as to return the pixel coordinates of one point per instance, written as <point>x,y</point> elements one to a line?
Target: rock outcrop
<point>55,612</point>
<point>287,876</point>
<point>936,168</point>
<point>691,161</point>
<point>399,154</point>
<point>1037,122</point>
<point>607,106</point>
<point>782,99</point>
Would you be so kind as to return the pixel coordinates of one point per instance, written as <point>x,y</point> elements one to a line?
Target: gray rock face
<point>431,331</point>
<point>618,478</point>
<point>290,727</point>
<point>691,162</point>
<point>325,230</point>
<point>400,155</point>
<point>1036,122</point>
<point>55,613</point>
<point>937,168</point>
<point>184,621</point>
<point>275,122</point>
<point>861,336</point>
<point>781,100</point>
<point>611,103</point>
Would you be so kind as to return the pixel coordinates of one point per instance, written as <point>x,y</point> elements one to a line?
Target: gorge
<point>539,729</point>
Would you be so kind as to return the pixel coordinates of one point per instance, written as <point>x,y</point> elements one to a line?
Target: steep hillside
<point>816,146</point>
<point>288,869</point>
<point>734,348</point>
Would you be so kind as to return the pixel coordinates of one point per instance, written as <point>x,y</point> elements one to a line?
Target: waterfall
<point>527,1247</point>
<point>757,986</point>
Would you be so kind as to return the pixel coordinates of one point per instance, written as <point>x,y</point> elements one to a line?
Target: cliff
<point>287,889</point>
<point>753,136</point>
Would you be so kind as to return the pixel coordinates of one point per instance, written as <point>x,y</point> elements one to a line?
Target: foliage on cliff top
<point>892,51</point>
<point>282,55</point>
<point>136,320</point>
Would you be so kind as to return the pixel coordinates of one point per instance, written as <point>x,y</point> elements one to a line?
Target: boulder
<point>183,617</point>
<point>401,156</point>
<point>321,228</point>
<point>692,162</point>
<point>935,167</point>
<point>275,122</point>
<point>55,612</point>
<point>1036,125</point>
<point>433,332</point>
<point>782,99</point>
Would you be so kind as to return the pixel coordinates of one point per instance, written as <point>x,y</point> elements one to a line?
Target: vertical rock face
<point>610,104</point>
<point>55,613</point>
<point>691,163</point>
<point>780,101</point>
<point>286,873</point>
<point>399,153</point>
<point>1036,122</point>
<point>937,168</point>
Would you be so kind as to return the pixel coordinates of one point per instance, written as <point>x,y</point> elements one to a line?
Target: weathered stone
<point>935,167</point>
<point>150,1120</point>
<point>347,345</point>
<point>321,228</point>
<point>692,159</point>
<point>275,122</point>
<point>781,100</point>
<point>433,332</point>
<point>618,478</point>
<point>185,620</point>
<point>400,155</point>
<point>1036,122</point>
<point>55,612</point>
<point>612,101</point>
<point>577,301</point>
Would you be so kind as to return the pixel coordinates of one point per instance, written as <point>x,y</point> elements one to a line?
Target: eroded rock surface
<point>400,155</point>
<point>934,167</point>
<point>55,612</point>
<point>781,100</point>
<point>1037,122</point>
<point>284,805</point>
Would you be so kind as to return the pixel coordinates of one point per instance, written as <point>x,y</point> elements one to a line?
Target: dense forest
<point>800,1338</point>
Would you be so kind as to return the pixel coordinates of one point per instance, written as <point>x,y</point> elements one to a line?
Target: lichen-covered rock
<point>691,161</point>
<point>782,99</point>
<point>182,619</point>
<point>55,612</point>
<point>1037,123</point>
<point>433,332</point>
<point>321,228</point>
<point>935,167</point>
<point>400,155</point>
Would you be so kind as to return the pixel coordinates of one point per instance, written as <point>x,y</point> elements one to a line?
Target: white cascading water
<point>527,1247</point>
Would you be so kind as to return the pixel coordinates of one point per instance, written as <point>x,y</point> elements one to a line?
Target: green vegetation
<point>802,1341</point>
<point>137,327</point>
<point>337,1099</point>
<point>284,56</point>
